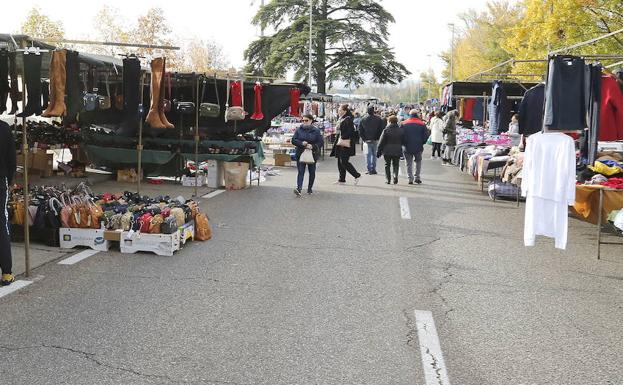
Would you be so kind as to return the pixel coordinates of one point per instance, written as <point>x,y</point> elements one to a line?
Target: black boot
<point>4,79</point>
<point>45,92</point>
<point>16,95</point>
<point>73,93</point>
<point>32,67</point>
<point>131,97</point>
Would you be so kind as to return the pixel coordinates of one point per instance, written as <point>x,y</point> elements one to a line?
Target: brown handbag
<point>18,212</point>
<point>203,232</point>
<point>95,215</point>
<point>156,224</point>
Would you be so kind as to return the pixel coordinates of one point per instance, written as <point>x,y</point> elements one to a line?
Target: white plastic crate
<point>160,244</point>
<point>94,239</point>
<point>187,232</point>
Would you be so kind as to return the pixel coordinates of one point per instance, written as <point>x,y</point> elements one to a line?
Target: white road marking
<point>432,359</point>
<point>213,194</point>
<point>78,257</point>
<point>15,286</point>
<point>405,212</point>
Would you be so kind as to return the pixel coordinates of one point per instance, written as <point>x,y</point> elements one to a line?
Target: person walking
<point>390,147</point>
<point>306,137</point>
<point>370,130</point>
<point>436,128</point>
<point>416,134</point>
<point>344,146</point>
<point>449,132</point>
<point>8,163</point>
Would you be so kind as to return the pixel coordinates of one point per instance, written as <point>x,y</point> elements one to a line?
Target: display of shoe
<point>7,279</point>
<point>297,192</point>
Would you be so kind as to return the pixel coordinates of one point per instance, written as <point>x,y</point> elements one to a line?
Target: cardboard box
<point>127,176</point>
<point>113,235</point>
<point>188,181</point>
<point>39,161</point>
<point>282,159</point>
<point>94,239</point>
<point>160,244</point>
<point>215,174</point>
<point>236,174</point>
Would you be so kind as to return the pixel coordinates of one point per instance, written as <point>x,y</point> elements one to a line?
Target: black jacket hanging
<point>531,110</point>
<point>565,102</point>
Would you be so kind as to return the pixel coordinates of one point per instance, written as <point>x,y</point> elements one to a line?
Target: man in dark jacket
<point>390,146</point>
<point>7,171</point>
<point>416,135</point>
<point>370,129</point>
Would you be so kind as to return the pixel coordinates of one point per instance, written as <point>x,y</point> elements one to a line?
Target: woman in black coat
<point>346,130</point>
<point>390,146</point>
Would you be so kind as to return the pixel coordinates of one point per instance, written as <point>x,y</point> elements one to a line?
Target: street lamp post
<point>451,25</point>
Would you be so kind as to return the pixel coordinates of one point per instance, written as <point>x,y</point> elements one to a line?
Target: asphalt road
<point>323,290</point>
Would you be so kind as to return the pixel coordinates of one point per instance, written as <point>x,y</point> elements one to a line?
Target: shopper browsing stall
<point>308,141</point>
<point>449,132</point>
<point>7,171</point>
<point>344,146</point>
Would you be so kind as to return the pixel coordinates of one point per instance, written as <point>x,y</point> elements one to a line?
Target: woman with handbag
<point>344,146</point>
<point>308,141</point>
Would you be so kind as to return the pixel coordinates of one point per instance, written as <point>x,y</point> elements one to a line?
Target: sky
<point>419,35</point>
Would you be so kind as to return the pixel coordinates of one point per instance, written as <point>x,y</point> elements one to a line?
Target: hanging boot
<point>32,67</point>
<point>73,91</point>
<point>153,116</point>
<point>163,117</point>
<point>4,79</point>
<point>16,96</point>
<point>45,94</point>
<point>131,97</point>
<point>58,78</point>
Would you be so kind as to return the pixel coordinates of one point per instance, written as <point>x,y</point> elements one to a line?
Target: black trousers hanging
<point>32,68</point>
<point>131,97</point>
<point>73,93</point>
<point>6,260</point>
<point>4,79</point>
<point>16,95</point>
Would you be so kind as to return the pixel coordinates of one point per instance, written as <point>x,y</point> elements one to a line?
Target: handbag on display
<point>203,232</point>
<point>94,216</point>
<point>166,101</point>
<point>91,101</point>
<point>307,157</point>
<point>104,101</point>
<point>210,110</point>
<point>186,108</point>
<point>234,113</point>
<point>156,224</point>
<point>52,215</point>
<point>179,215</point>
<point>39,218</point>
<point>169,226</point>
<point>66,212</point>
<point>145,222</point>
<point>126,221</point>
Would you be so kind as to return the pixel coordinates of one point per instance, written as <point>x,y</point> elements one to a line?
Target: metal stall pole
<point>139,147</point>
<point>197,138</point>
<point>599,220</point>
<point>25,153</point>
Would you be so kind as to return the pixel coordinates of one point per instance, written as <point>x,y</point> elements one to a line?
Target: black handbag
<point>186,108</point>
<point>52,213</point>
<point>169,226</point>
<point>39,222</point>
<point>210,110</point>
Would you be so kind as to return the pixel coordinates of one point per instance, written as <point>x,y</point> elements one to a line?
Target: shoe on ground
<point>310,192</point>
<point>7,279</point>
<point>373,172</point>
<point>357,181</point>
<point>395,180</point>
<point>388,182</point>
<point>410,182</point>
<point>368,172</point>
<point>418,181</point>
<point>297,192</point>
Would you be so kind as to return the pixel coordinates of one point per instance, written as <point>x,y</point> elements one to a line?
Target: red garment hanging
<point>257,112</point>
<point>295,96</point>
<point>236,94</point>
<point>611,115</point>
<point>468,111</point>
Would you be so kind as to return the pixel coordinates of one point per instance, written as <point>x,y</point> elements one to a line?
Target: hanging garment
<point>499,109</point>
<point>468,110</point>
<point>611,115</point>
<point>478,112</point>
<point>295,96</point>
<point>131,96</point>
<point>257,111</point>
<point>592,76</point>
<point>4,79</point>
<point>565,101</point>
<point>73,92</point>
<point>462,108</point>
<point>321,110</point>
<point>32,68</point>
<point>236,94</point>
<point>531,110</point>
<point>549,185</point>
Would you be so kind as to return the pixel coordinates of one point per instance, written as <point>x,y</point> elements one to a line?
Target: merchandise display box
<point>159,244</point>
<point>215,174</point>
<point>236,175</point>
<point>188,181</point>
<point>187,232</point>
<point>93,239</point>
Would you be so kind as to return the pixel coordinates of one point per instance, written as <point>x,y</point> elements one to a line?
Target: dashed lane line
<point>78,257</point>
<point>405,211</point>
<point>435,371</point>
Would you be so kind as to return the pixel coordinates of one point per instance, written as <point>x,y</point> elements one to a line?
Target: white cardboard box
<point>189,181</point>
<point>160,244</point>
<point>215,174</point>
<point>94,239</point>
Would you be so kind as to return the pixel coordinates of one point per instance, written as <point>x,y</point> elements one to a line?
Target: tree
<point>349,42</point>
<point>153,29</point>
<point>110,26</point>
<point>204,56</point>
<point>39,26</point>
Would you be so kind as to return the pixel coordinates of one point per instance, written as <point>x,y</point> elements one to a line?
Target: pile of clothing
<point>606,171</point>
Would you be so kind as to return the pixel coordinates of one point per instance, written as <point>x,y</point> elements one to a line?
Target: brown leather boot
<point>58,78</point>
<point>163,117</point>
<point>153,116</point>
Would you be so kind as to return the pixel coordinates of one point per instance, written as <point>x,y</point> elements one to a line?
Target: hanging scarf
<point>257,112</point>
<point>295,96</point>
<point>236,94</point>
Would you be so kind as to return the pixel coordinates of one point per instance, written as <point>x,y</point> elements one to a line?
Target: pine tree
<point>349,42</point>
